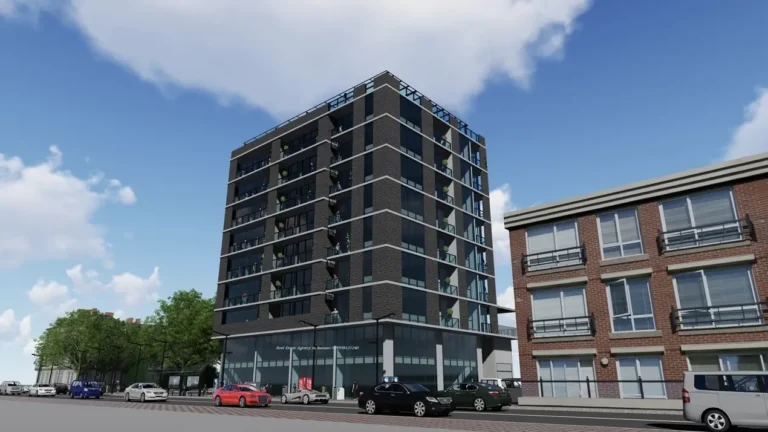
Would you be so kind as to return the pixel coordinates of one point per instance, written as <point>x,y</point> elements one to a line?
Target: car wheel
<point>305,399</point>
<point>142,398</point>
<point>82,395</point>
<point>127,397</point>
<point>370,407</point>
<point>284,399</point>
<point>71,396</point>
<point>241,402</point>
<point>479,404</point>
<point>217,401</point>
<point>419,409</point>
<point>717,421</point>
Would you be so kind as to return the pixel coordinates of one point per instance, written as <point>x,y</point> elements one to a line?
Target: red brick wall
<point>751,198</point>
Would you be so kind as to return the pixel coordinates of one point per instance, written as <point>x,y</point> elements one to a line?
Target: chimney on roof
<point>129,320</point>
<point>109,314</point>
<point>138,321</point>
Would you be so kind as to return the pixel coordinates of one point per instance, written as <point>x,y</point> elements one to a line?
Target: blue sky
<point>117,118</point>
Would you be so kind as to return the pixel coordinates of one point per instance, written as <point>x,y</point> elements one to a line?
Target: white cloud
<point>13,330</point>
<point>84,281</point>
<point>47,293</point>
<point>119,314</point>
<point>501,202</point>
<point>46,213</point>
<point>135,289</point>
<point>751,136</point>
<point>286,55</point>
<point>507,299</point>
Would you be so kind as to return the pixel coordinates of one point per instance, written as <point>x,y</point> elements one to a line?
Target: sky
<point>117,118</point>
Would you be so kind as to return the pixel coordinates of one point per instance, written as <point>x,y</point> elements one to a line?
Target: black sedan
<point>401,397</point>
<point>61,388</point>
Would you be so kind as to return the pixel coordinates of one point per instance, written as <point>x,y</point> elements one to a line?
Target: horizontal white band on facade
<point>627,274</point>
<point>558,282</point>
<point>658,349</point>
<point>695,265</point>
<point>761,345</point>
<point>565,352</point>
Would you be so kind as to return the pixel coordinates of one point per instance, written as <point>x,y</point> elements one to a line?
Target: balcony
<point>445,226</point>
<point>443,142</point>
<point>253,192</point>
<point>478,295</point>
<point>447,257</point>
<point>476,185</point>
<point>294,230</point>
<point>478,212</point>
<point>285,204</point>
<point>336,187</point>
<point>252,167</point>
<point>250,217</point>
<point>283,179</point>
<point>480,239</point>
<point>735,315</point>
<point>246,244</point>
<point>338,158</point>
<point>562,327</point>
<point>290,291</point>
<point>554,259</point>
<point>443,195</point>
<point>447,288</point>
<point>475,159</point>
<point>414,318</point>
<point>706,235</point>
<point>334,219</point>
<point>241,300</point>
<point>481,267</point>
<point>444,169</point>
<point>333,318</point>
<point>449,322</point>
<point>244,271</point>
<point>291,260</point>
<point>332,284</point>
<point>338,249</point>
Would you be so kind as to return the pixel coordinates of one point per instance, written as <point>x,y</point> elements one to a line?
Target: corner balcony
<point>562,327</point>
<point>332,284</point>
<point>481,327</point>
<point>443,168</point>
<point>447,288</point>
<point>285,203</point>
<point>447,257</point>
<point>338,249</point>
<point>333,318</point>
<point>715,317</point>
<point>290,260</point>
<point>445,226</point>
<point>443,196</point>
<point>449,322</point>
<point>247,169</point>
<point>554,259</point>
<point>244,271</point>
<point>706,235</point>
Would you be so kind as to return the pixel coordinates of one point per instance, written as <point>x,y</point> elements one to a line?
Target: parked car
<point>480,396</point>
<point>61,388</point>
<point>42,390</point>
<point>241,395</point>
<point>721,400</point>
<point>10,388</point>
<point>84,389</point>
<point>145,392</point>
<point>399,397</point>
<point>306,397</point>
<point>25,389</point>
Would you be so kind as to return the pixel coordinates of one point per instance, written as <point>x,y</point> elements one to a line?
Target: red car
<point>241,395</point>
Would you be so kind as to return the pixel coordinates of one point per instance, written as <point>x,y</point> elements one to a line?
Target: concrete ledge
<point>708,248</point>
<point>555,270</point>
<point>635,335</point>
<point>562,339</point>
<point>638,350</point>
<point>627,274</point>
<point>726,330</point>
<point>629,259</point>
<point>559,282</point>
<point>564,352</point>
<point>639,404</point>
<point>694,265</point>
<point>752,346</point>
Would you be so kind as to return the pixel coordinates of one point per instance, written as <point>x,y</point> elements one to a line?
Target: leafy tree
<point>73,340</point>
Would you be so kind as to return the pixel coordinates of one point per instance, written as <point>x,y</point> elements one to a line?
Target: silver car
<point>721,400</point>
<point>306,397</point>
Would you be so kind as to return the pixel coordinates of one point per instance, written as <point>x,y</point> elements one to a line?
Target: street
<point>507,420</point>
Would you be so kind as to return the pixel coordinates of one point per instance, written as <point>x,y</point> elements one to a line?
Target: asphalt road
<point>540,417</point>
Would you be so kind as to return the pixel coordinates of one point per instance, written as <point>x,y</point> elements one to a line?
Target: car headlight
<point>431,399</point>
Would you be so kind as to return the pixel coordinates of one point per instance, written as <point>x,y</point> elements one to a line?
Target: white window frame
<point>629,305</point>
<point>554,234</point>
<point>565,333</point>
<point>620,244</point>
<point>637,370</point>
<point>593,384</point>
<point>709,300</point>
<point>722,361</point>
<point>693,228</point>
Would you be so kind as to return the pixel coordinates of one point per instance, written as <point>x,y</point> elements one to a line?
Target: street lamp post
<point>314,347</point>
<point>223,357</point>
<point>376,378</point>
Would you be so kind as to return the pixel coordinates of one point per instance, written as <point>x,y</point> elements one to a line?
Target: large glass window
<point>240,315</point>
<point>620,234</point>
<point>368,166</point>
<point>414,270</point>
<point>567,377</point>
<point>553,245</point>
<point>716,297</point>
<point>414,305</point>
<point>368,106</point>
<point>629,301</point>
<point>410,113</point>
<point>727,362</point>
<point>289,308</point>
<point>368,198</point>
<point>411,172</point>
<point>368,136</point>
<point>367,266</point>
<point>560,312</point>
<point>367,302</point>
<point>459,358</point>
<point>412,203</point>
<point>634,369</point>
<point>412,236</point>
<point>695,220</point>
<point>368,232</point>
<point>410,142</point>
<point>415,355</point>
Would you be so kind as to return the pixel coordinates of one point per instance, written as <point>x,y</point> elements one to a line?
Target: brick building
<point>370,207</point>
<point>643,282</point>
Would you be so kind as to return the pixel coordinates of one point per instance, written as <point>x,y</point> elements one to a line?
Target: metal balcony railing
<point>250,217</point>
<point>414,318</point>
<point>338,249</point>
<point>333,318</point>
<point>332,284</point>
<point>241,300</point>
<point>290,291</point>
<point>706,235</point>
<point>706,317</point>
<point>444,169</point>
<point>291,231</point>
<point>562,327</point>
<point>247,169</point>
<point>443,142</point>
<point>292,259</point>
<point>445,226</point>
<point>295,201</point>
<point>553,259</point>
<point>448,288</point>
<point>246,244</point>
<point>449,322</point>
<point>333,219</point>
<point>447,257</point>
<point>444,196</point>
<point>244,271</point>
<point>253,192</point>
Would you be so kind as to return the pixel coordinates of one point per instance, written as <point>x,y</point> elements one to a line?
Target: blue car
<point>84,389</point>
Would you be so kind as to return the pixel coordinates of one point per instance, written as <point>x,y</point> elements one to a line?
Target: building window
<point>368,166</point>
<point>567,377</point>
<point>412,236</point>
<point>411,172</point>
<point>410,142</point>
<point>560,312</point>
<point>552,245</point>
<point>629,301</point>
<point>634,369</point>
<point>367,303</point>
<point>368,136</point>
<point>367,266</point>
<point>368,198</point>
<point>414,305</point>
<point>368,106</point>
<point>414,270</point>
<point>702,219</point>
<point>290,308</point>
<point>368,232</point>
<point>410,113</point>
<point>730,362</point>
<point>717,297</point>
<point>412,203</point>
<point>240,315</point>
<point>620,234</point>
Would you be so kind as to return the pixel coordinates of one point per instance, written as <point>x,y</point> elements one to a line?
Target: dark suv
<point>61,388</point>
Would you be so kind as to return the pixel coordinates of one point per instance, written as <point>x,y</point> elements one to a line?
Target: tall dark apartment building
<point>357,244</point>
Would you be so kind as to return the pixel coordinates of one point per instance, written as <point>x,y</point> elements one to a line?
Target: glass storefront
<point>415,355</point>
<point>459,358</point>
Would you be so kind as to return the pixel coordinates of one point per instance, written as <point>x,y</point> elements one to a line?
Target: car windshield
<point>416,388</point>
<point>90,384</point>
<point>148,386</point>
<point>14,383</point>
<point>491,386</point>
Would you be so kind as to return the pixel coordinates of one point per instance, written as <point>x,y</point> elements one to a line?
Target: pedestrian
<point>355,390</point>
<point>268,387</point>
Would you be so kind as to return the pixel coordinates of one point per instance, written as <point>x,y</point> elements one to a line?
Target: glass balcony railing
<point>445,226</point>
<point>290,291</point>
<point>443,142</point>
<point>253,192</point>
<point>336,283</point>
<point>414,318</point>
<point>338,249</point>
<point>291,260</point>
<point>333,219</point>
<point>442,195</point>
<point>478,295</point>
<point>333,318</point>
<point>449,322</point>
<point>241,300</point>
<point>295,175</point>
<point>294,230</point>
<point>444,169</point>
<point>244,271</point>
<point>250,217</point>
<point>246,244</point>
<point>247,169</point>
<point>480,239</point>
<point>448,288</point>
<point>447,257</point>
<point>293,202</point>
<point>338,158</point>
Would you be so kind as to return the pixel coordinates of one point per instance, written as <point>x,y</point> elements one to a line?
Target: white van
<point>10,388</point>
<point>721,400</point>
